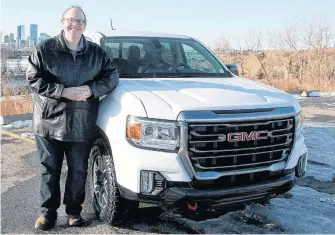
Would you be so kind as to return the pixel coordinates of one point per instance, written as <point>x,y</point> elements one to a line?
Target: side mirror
<point>233,68</point>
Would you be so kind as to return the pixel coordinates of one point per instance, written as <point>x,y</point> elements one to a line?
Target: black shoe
<point>76,221</point>
<point>43,223</point>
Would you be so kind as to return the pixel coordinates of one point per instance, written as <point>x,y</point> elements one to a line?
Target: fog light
<point>301,165</point>
<point>152,183</point>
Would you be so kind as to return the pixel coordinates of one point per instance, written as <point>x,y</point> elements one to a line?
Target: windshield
<point>137,57</point>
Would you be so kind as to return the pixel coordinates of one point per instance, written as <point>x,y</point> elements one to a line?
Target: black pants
<point>51,153</point>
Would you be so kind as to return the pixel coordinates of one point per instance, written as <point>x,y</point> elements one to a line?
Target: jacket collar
<point>60,44</point>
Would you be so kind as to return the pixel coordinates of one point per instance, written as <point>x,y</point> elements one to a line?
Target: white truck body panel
<point>175,95</point>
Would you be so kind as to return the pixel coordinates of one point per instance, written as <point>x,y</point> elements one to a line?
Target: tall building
<point>33,34</point>
<point>27,42</point>
<point>20,32</point>
<point>11,37</point>
<point>20,35</point>
<point>6,40</point>
<point>42,37</point>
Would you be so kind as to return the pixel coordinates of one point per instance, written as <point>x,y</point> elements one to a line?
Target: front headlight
<point>152,133</point>
<point>299,125</point>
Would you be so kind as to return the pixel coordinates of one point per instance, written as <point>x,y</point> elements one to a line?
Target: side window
<point>126,54</point>
<point>112,49</point>
<point>196,60</point>
<point>167,53</point>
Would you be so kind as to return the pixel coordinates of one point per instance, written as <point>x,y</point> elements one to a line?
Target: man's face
<point>74,23</point>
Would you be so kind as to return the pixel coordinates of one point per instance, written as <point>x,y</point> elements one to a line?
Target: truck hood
<point>165,98</point>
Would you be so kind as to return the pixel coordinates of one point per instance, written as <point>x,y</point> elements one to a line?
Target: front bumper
<point>180,194</point>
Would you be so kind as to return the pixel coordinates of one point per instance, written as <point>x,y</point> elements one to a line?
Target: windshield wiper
<point>133,75</point>
<point>172,75</point>
<point>185,75</point>
<point>206,75</point>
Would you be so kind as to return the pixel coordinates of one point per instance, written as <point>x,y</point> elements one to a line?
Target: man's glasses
<point>77,21</point>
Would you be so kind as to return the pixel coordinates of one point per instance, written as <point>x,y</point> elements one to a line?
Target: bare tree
<point>228,54</point>
<point>317,37</point>
<point>299,57</point>
<point>222,48</point>
<point>255,41</point>
<point>255,44</point>
<point>273,41</point>
<point>4,58</point>
<point>318,34</point>
<point>289,41</point>
<point>223,45</point>
<point>4,70</point>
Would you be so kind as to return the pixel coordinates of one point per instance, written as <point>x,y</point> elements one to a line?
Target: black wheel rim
<point>100,182</point>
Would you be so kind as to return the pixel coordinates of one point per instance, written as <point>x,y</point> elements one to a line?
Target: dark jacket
<point>51,68</point>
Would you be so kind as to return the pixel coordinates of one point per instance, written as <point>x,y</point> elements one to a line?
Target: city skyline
<point>25,37</point>
<point>13,38</point>
<point>35,26</point>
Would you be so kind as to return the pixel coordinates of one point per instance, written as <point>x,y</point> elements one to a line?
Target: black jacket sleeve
<point>107,80</point>
<point>37,79</point>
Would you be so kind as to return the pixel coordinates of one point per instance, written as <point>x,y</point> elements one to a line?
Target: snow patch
<point>310,94</point>
<point>320,141</point>
<point>28,135</point>
<point>18,124</point>
<point>327,94</point>
<point>329,106</point>
<point>306,94</point>
<point>319,124</point>
<point>298,97</point>
<point>330,199</point>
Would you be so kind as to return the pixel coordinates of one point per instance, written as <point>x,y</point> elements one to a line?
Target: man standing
<point>67,74</point>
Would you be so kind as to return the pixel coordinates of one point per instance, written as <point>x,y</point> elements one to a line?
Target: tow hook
<point>192,206</point>
<point>274,195</point>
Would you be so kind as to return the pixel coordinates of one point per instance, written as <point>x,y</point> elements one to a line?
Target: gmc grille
<point>210,150</point>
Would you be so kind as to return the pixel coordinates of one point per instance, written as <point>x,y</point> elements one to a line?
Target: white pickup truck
<point>182,129</point>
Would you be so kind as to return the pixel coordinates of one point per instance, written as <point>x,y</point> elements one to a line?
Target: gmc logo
<point>244,136</point>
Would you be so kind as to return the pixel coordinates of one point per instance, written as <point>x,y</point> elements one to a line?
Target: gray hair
<point>78,8</point>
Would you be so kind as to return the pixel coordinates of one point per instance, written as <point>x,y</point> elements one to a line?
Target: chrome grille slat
<point>194,133</point>
<point>241,149</point>
<point>236,166</point>
<point>218,141</point>
<point>238,125</point>
<point>274,136</point>
<point>237,155</point>
<point>285,129</point>
<point>205,141</point>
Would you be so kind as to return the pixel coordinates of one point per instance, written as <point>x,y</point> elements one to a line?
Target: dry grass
<point>288,70</point>
<point>16,106</point>
<point>289,85</point>
<point>15,97</point>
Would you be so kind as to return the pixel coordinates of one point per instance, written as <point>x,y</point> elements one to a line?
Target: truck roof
<point>144,33</point>
<point>133,33</point>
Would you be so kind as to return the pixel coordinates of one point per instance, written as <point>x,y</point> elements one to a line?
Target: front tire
<point>107,202</point>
